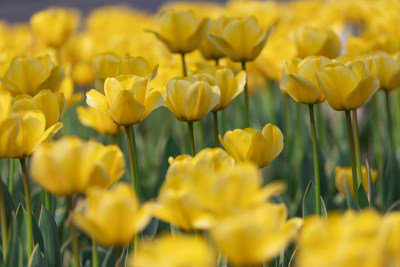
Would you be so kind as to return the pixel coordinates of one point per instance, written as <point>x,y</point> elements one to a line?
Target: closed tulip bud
<point>21,133</point>
<point>128,99</point>
<point>298,79</point>
<point>249,145</point>
<point>30,75</point>
<point>387,70</point>
<point>189,99</point>
<point>54,26</point>
<point>347,87</point>
<point>180,31</point>
<point>241,39</point>
<point>113,217</point>
<point>207,48</point>
<point>95,119</point>
<point>51,104</point>
<point>345,174</point>
<point>69,165</point>
<point>316,42</point>
<point>255,235</point>
<point>162,252</point>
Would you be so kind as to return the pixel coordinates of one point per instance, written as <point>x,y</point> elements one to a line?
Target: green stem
<point>352,155</point>
<point>73,233</point>
<point>184,71</point>
<point>216,132</point>
<point>133,160</point>
<point>95,254</point>
<point>246,98</point>
<point>316,163</point>
<point>46,199</point>
<point>11,177</point>
<point>357,147</point>
<point>192,147</point>
<point>28,206</point>
<point>3,222</point>
<point>389,118</point>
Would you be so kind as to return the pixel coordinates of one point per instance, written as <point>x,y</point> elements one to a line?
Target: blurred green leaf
<point>50,237</point>
<point>309,203</point>
<point>349,197</point>
<point>14,255</point>
<point>37,259</point>
<point>364,203</point>
<point>371,187</point>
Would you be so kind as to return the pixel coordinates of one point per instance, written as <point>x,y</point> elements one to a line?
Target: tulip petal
<point>126,110</point>
<point>300,89</point>
<point>98,101</point>
<point>221,43</point>
<point>153,100</point>
<point>363,92</point>
<point>259,45</point>
<point>195,39</point>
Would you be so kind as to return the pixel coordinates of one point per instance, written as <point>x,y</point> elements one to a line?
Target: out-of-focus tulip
<point>190,99</point>
<point>249,145</point>
<point>67,88</point>
<point>30,75</point>
<point>51,104</point>
<point>5,105</point>
<point>180,31</point>
<point>54,25</point>
<point>128,99</point>
<point>316,42</point>
<point>113,217</point>
<point>347,87</point>
<point>69,165</point>
<point>342,174</point>
<point>95,119</point>
<point>298,79</point>
<point>387,71</point>
<point>162,252</point>
<point>207,48</point>
<point>82,73</point>
<point>256,235</point>
<point>373,42</point>
<point>241,39</point>
<point>22,132</point>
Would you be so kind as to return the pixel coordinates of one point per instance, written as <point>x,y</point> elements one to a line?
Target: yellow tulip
<point>54,25</point>
<point>207,48</point>
<point>193,252</point>
<point>67,88</point>
<point>128,99</point>
<point>298,79</point>
<point>83,74</point>
<point>180,31</point>
<point>389,234</point>
<point>190,99</point>
<point>5,105</point>
<point>342,174</point>
<point>241,39</point>
<point>387,71</point>
<point>22,132</point>
<point>316,42</point>
<point>347,87</point>
<point>30,75</point>
<point>95,119</point>
<point>69,165</point>
<point>113,217</point>
<point>256,235</point>
<point>251,145</point>
<point>51,104</point>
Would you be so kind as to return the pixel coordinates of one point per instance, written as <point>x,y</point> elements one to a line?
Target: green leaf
<point>37,258</point>
<point>364,203</point>
<point>391,180</point>
<point>309,203</point>
<point>394,207</point>
<point>349,197</point>
<point>14,254</point>
<point>9,203</point>
<point>50,237</point>
<point>371,189</point>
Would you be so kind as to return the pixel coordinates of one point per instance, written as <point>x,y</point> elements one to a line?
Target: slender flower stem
<point>246,98</point>
<point>11,177</point>
<point>133,160</point>
<point>95,254</point>
<point>216,132</point>
<point>352,155</point>
<point>73,233</point>
<point>3,222</point>
<point>46,199</point>
<point>28,206</point>
<point>192,147</point>
<point>357,146</point>
<point>184,71</point>
<point>389,119</point>
<point>316,163</point>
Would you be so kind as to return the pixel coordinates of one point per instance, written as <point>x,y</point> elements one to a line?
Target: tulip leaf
<point>371,189</point>
<point>108,259</point>
<point>364,203</point>
<point>151,229</point>
<point>349,197</point>
<point>309,203</point>
<point>9,203</point>
<point>50,238</point>
<point>37,259</point>
<point>14,255</point>
<point>391,180</point>
<point>394,207</point>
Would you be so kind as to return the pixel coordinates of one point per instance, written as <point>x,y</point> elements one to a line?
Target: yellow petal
<point>126,110</point>
<point>97,101</point>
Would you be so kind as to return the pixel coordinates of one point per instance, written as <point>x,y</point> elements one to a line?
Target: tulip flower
<point>96,119</point>
<point>67,88</point>
<point>253,146</point>
<point>112,217</point>
<point>54,26</point>
<point>5,105</point>
<point>162,252</point>
<point>316,42</point>
<point>345,174</point>
<point>69,165</point>
<point>30,75</point>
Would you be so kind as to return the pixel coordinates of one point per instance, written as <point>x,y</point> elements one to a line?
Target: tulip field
<point>244,134</point>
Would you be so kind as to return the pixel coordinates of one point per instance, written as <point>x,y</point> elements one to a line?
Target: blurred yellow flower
<point>95,119</point>
<point>5,105</point>
<point>207,48</point>
<point>298,79</point>
<point>387,70</point>
<point>189,99</point>
<point>180,31</point>
<point>54,26</point>
<point>241,39</point>
<point>128,99</point>
<point>342,174</point>
<point>347,87</point>
<point>112,217</point>
<point>253,146</point>
<point>67,88</point>
<point>193,252</point>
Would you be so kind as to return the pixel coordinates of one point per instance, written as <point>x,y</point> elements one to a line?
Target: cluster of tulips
<point>109,176</point>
